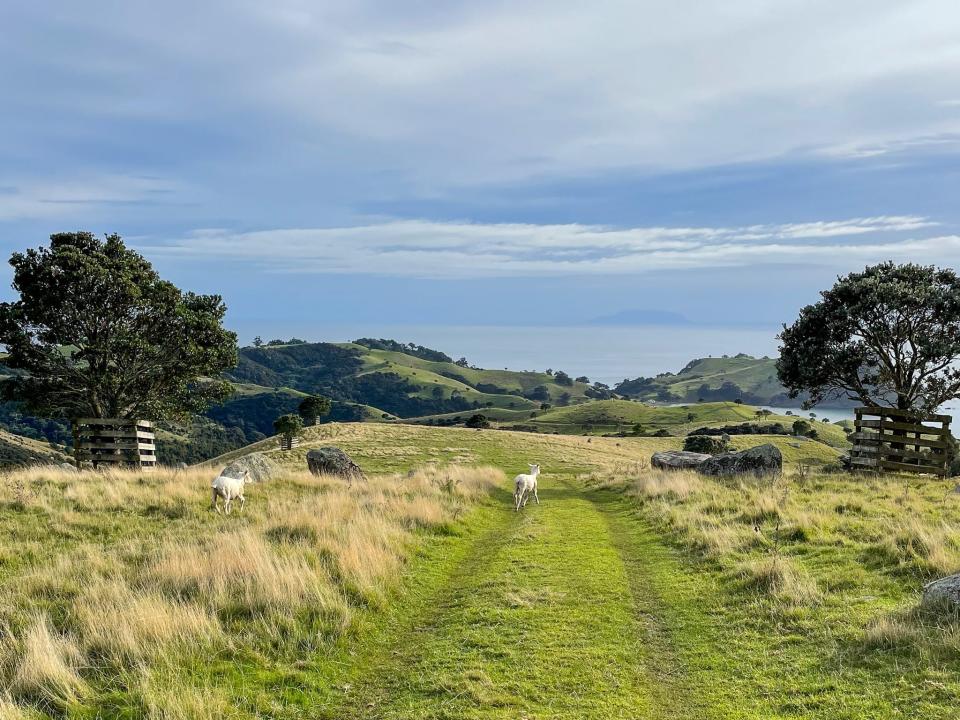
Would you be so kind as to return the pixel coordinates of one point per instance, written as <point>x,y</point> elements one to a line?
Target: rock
<point>261,468</point>
<point>68,467</point>
<point>942,593</point>
<point>333,461</point>
<point>761,460</point>
<point>678,460</point>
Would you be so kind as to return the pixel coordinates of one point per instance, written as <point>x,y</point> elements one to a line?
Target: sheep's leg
<point>213,503</point>
<point>228,505</point>
<point>243,501</point>
<point>535,496</point>
<point>517,497</point>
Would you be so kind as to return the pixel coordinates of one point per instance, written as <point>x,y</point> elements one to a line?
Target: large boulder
<point>943,593</point>
<point>333,461</point>
<point>678,460</point>
<point>761,460</point>
<point>260,466</point>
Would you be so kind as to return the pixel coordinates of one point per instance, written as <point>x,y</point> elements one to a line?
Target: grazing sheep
<point>524,486</point>
<point>229,489</point>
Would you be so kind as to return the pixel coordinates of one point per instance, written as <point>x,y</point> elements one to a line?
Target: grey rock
<point>333,461</point>
<point>261,468</point>
<point>760,460</point>
<point>678,460</point>
<point>942,593</point>
<point>68,467</point>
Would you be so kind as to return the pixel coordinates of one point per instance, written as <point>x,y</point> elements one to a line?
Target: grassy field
<point>808,586</point>
<point>608,416</point>
<point>627,593</point>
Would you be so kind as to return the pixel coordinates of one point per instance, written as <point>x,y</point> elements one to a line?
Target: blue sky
<point>436,163</point>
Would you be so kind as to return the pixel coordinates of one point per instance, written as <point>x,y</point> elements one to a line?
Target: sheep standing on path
<point>229,489</point>
<point>524,486</point>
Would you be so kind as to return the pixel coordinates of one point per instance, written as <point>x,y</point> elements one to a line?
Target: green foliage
<point>288,425</point>
<point>889,335</point>
<point>313,408</point>
<point>711,445</point>
<point>418,351</point>
<point>561,378</point>
<point>97,333</point>
<point>477,421</point>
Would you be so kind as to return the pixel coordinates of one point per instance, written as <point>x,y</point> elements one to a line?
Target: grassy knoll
<point>797,597</point>
<point>607,416</point>
<point>395,448</point>
<point>512,381</point>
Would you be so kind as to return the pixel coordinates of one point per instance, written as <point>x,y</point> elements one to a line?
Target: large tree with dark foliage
<point>97,333</point>
<point>887,336</point>
<point>312,408</point>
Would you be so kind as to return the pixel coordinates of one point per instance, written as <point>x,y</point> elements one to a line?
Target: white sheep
<point>229,489</point>
<point>524,485</point>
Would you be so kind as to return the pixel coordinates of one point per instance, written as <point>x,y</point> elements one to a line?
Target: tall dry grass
<point>118,576</point>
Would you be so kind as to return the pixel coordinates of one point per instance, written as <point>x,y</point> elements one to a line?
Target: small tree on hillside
<point>887,336</point>
<point>477,421</point>
<point>97,333</point>
<point>289,426</point>
<point>312,408</point>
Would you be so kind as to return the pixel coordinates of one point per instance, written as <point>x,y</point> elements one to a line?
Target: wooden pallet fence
<point>901,441</point>
<point>114,441</point>
<point>289,443</point>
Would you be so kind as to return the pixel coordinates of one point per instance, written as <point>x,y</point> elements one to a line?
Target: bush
<point>705,444</point>
<point>478,421</point>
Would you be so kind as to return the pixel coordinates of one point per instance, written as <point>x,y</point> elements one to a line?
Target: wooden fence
<point>114,441</point>
<point>901,440</point>
<point>289,443</point>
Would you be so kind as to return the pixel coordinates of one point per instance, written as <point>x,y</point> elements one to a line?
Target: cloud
<point>442,96</point>
<point>79,198</point>
<point>427,249</point>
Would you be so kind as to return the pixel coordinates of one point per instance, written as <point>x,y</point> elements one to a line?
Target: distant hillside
<point>741,377</point>
<point>403,380</point>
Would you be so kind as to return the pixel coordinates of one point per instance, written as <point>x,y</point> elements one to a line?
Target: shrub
<point>705,444</point>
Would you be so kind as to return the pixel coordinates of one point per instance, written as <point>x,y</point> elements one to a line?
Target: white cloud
<point>460,250</point>
<point>80,198</point>
<point>457,93</point>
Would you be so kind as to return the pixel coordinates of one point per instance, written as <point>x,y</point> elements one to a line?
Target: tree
<point>583,379</point>
<point>887,336</point>
<point>258,341</point>
<point>477,421</point>
<point>97,333</point>
<point>313,408</point>
<point>288,425</point>
<point>462,362</point>
<point>561,378</point>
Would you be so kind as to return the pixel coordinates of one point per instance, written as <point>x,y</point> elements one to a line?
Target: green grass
<point>398,447</point>
<point>607,416</point>
<point>626,594</point>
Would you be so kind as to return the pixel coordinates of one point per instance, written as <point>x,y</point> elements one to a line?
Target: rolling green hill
<point>752,380</point>
<point>402,384</point>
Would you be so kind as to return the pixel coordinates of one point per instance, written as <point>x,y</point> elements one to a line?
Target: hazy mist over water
<point>607,354</point>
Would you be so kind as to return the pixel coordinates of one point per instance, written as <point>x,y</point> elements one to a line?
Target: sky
<point>331,165</point>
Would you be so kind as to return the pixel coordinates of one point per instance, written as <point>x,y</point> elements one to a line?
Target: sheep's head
<point>534,469</point>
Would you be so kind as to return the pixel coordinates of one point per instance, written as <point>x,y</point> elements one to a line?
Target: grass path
<point>548,616</point>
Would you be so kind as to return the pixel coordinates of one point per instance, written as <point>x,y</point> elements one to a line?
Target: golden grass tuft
<point>780,578</point>
<point>43,666</point>
<point>127,626</point>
